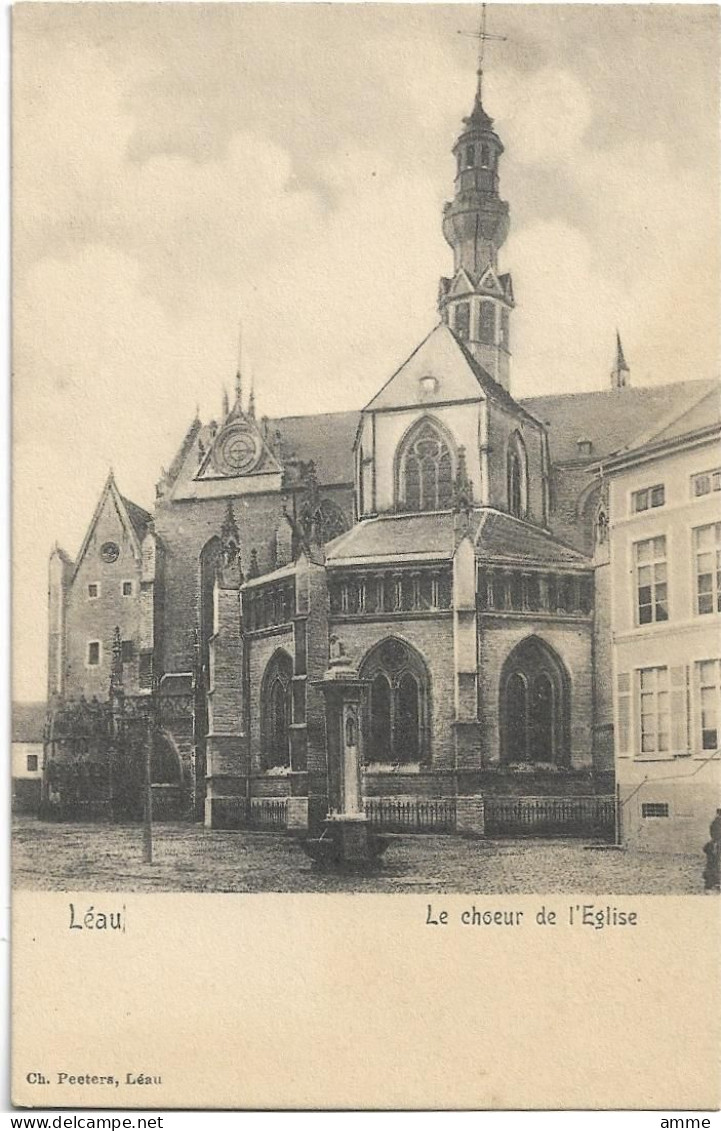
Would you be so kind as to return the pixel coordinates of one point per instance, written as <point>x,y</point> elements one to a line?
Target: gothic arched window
<point>425,471</point>
<point>211,557</point>
<point>399,703</point>
<point>535,705</point>
<point>276,711</point>
<point>517,476</point>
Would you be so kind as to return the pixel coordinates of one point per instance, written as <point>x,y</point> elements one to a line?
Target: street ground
<point>94,857</point>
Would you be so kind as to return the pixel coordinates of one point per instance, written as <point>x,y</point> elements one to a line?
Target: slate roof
<point>504,538</point>
<point>139,518</point>
<point>326,438</point>
<point>700,415</point>
<point>188,440</point>
<point>394,538</point>
<point>404,538</point>
<point>492,389</point>
<point>28,721</point>
<point>610,418</point>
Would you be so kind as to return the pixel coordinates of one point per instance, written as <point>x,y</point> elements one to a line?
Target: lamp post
<point>151,706</point>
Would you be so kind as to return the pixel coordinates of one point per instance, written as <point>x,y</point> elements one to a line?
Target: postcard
<point>367,556</point>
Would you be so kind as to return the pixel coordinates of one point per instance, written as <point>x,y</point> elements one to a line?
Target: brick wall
<point>96,618</point>
<point>433,638</point>
<point>501,426</point>
<point>572,643</point>
<point>185,527</point>
<point>260,650</point>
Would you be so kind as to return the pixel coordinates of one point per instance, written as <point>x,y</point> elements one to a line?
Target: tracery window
<point>399,703</point>
<point>535,705</point>
<point>426,471</point>
<point>517,474</point>
<point>276,711</point>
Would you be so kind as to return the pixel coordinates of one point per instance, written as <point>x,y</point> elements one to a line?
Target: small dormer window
<point>428,387</point>
<point>584,446</point>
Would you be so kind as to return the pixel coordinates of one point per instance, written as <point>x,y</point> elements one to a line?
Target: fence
<point>413,815</point>
<point>269,812</point>
<point>550,816</point>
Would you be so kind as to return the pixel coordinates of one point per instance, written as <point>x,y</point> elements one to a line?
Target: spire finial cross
<point>238,377</point>
<point>483,37</point>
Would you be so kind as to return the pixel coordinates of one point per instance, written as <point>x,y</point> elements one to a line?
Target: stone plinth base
<point>470,816</point>
<point>346,844</point>
<point>297,814</point>
<point>225,812</point>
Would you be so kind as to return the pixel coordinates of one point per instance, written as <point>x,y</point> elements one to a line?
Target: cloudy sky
<point>178,166</point>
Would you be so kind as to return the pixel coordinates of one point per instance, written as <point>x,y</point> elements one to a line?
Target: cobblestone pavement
<point>63,857</point>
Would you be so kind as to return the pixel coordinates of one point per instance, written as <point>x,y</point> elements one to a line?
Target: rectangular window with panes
<point>707,542</point>
<point>648,498</point>
<point>651,580</point>
<point>93,653</point>
<point>706,482</point>
<point>654,809</point>
<point>708,704</point>
<point>93,590</point>
<point>654,711</point>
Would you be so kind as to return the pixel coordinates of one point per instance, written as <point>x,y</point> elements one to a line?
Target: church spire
<point>251,398</point>
<point>239,370</point>
<point>620,374</point>
<point>477,301</point>
<point>483,36</point>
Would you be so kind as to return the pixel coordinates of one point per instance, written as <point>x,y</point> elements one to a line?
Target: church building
<point>450,540</point>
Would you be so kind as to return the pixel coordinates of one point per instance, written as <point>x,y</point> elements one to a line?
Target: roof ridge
<point>623,390</point>
<point>657,428</point>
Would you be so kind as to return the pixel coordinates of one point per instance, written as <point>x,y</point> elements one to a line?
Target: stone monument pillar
<point>346,839</point>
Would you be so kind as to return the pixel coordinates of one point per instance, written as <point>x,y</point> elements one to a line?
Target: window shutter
<point>623,700</point>
<point>679,710</point>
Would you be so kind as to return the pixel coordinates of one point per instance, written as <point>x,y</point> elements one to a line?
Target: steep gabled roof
<point>135,525</point>
<point>182,453</point>
<point>139,518</point>
<point>438,355</point>
<point>702,414</point>
<point>610,418</point>
<point>491,388</point>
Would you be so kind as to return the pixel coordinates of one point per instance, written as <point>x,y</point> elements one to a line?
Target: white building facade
<point>665,562</point>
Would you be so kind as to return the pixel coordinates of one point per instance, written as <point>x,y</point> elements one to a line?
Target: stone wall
<point>432,636</point>
<point>572,642</point>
